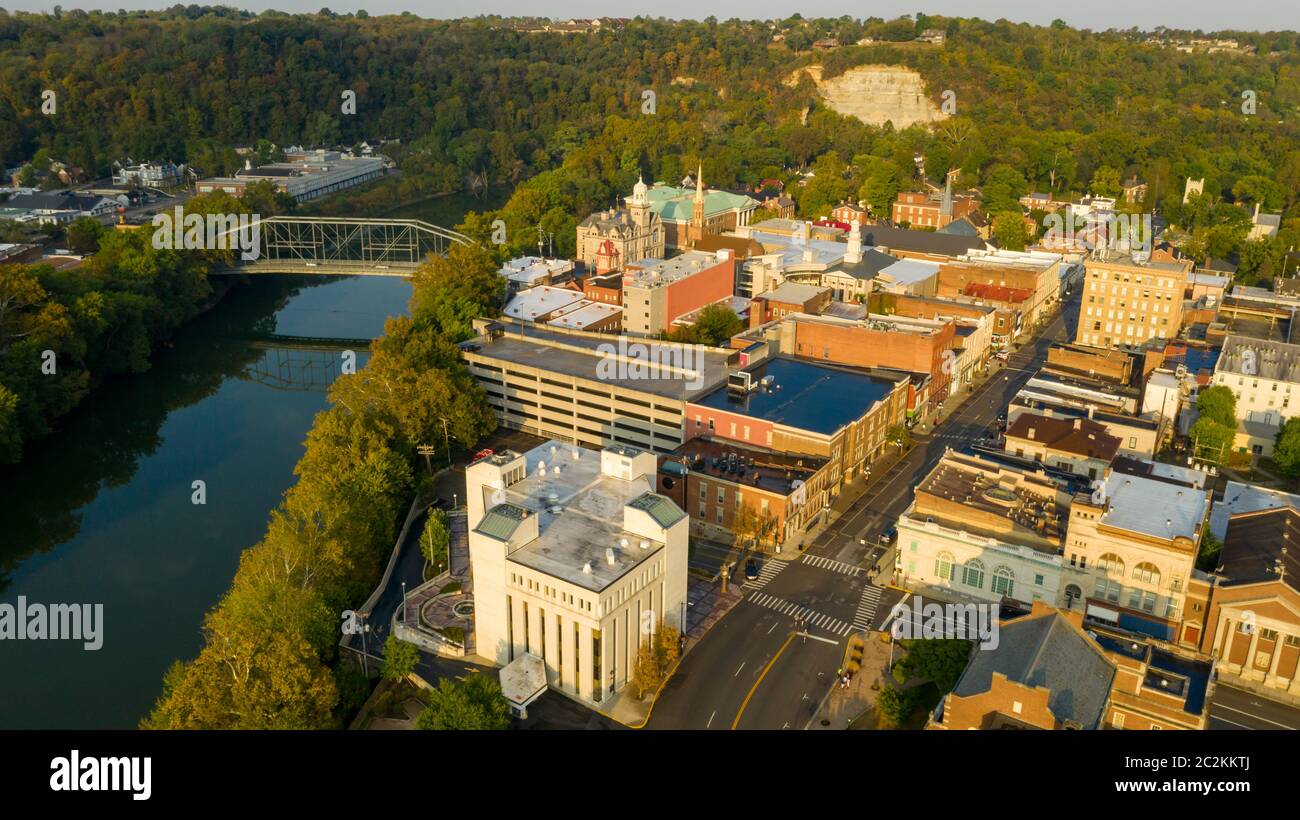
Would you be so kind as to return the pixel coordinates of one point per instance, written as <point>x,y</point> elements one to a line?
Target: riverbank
<point>103,512</point>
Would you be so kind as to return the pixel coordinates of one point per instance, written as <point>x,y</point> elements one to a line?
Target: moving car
<point>751,569</point>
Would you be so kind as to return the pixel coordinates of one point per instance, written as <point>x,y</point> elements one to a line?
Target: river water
<point>101,511</point>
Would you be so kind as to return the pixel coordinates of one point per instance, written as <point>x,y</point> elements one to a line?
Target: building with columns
<point>1253,626</point>
<point>575,560</point>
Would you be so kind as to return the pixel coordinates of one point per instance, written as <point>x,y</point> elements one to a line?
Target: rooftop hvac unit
<point>741,382</point>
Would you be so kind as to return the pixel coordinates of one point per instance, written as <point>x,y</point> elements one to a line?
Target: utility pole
<point>426,450</point>
<point>446,437</point>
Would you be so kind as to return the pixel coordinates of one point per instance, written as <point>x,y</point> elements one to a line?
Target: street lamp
<point>403,601</point>
<point>365,651</point>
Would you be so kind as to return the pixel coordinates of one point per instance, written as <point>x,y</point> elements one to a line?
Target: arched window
<point>1147,573</point>
<point>973,573</point>
<point>944,565</point>
<point>1004,580</point>
<point>1072,595</point>
<point>1112,563</point>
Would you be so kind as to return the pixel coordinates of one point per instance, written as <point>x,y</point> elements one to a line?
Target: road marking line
<point>818,638</point>
<point>711,717</point>
<point>742,666</point>
<point>1256,717</point>
<point>762,675</point>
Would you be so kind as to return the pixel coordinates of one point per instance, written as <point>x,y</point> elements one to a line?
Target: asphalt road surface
<point>751,671</point>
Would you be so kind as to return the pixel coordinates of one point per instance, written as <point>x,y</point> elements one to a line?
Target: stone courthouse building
<point>658,219</point>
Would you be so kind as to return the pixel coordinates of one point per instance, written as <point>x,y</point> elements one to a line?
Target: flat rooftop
<point>969,493</point>
<point>659,272</point>
<point>1153,507</point>
<point>598,359</point>
<point>744,464</point>
<point>803,395</point>
<point>580,512</point>
<point>1244,498</point>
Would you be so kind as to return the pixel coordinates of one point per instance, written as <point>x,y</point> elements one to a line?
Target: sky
<point>1208,15</point>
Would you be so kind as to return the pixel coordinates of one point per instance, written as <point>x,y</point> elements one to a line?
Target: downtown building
<point>979,531</point>
<point>1127,303</point>
<point>806,409</point>
<point>592,389</point>
<point>656,292</point>
<point>1052,671</point>
<point>576,563</point>
<point>1132,545</point>
<point>305,175</point>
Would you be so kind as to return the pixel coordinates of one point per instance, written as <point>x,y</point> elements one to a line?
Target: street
<point>751,670</point>
<point>1233,708</point>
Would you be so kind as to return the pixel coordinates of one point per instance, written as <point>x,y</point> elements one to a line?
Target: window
<point>1107,590</point>
<point>973,574</point>
<point>1003,581</point>
<point>1147,573</point>
<point>1110,562</point>
<point>943,566</point>
<point>1142,599</point>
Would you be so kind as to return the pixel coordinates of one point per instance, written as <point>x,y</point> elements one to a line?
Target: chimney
<point>609,556</point>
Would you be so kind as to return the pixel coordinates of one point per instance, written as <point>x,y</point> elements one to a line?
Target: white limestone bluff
<point>875,94</point>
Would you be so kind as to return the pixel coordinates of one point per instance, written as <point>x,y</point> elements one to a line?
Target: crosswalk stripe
<point>831,564</point>
<point>813,618</point>
<point>770,570</point>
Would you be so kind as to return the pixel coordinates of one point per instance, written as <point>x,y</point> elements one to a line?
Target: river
<point>101,511</point>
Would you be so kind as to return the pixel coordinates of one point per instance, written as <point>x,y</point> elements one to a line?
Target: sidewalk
<point>843,706</point>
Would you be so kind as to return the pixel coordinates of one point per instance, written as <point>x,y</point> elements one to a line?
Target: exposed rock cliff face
<point>876,94</point>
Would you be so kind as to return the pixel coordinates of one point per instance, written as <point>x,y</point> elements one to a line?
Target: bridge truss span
<point>329,245</point>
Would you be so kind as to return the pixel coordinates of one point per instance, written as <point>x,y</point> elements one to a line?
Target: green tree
<point>84,234</point>
<point>655,659</point>
<point>435,538</point>
<point>400,658</point>
<point>895,705</point>
<point>1211,550</point>
<point>938,660</point>
<point>1218,403</point>
<point>1286,451</point>
<point>1010,231</point>
<point>1211,441</point>
<point>715,325</point>
<point>475,703</point>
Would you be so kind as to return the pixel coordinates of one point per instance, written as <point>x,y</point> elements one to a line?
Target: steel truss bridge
<point>301,364</point>
<point>346,247</point>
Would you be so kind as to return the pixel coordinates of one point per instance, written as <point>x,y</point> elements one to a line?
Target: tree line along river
<point>101,511</point>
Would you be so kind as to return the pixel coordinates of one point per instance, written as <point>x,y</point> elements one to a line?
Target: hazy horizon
<point>1099,15</point>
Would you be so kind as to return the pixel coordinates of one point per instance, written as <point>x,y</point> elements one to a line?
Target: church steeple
<point>697,210</point>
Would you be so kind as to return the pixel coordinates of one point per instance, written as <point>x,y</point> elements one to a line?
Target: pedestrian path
<point>866,614</point>
<point>811,617</point>
<point>769,571</point>
<point>831,564</point>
